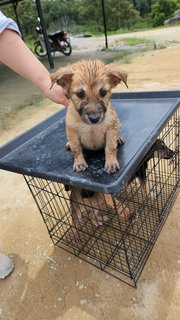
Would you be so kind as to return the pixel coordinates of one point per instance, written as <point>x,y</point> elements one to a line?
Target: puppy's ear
<point>115,75</point>
<point>63,77</point>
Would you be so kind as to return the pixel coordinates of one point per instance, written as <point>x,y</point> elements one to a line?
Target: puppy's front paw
<point>80,165</point>
<point>120,141</point>
<point>67,146</point>
<point>111,166</point>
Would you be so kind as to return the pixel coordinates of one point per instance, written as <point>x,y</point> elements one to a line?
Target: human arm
<point>16,55</point>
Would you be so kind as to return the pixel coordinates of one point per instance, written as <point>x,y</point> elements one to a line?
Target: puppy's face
<point>88,84</point>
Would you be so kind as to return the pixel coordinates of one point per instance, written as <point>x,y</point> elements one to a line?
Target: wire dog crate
<point>111,221</point>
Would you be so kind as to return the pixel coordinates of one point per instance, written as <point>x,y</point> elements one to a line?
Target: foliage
<point>136,41</point>
<point>162,10</point>
<point>143,6</point>
<point>120,14</point>
<point>85,16</point>
<point>27,14</point>
<point>76,15</point>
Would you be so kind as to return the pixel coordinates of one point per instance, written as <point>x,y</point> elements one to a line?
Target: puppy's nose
<point>94,118</point>
<point>170,154</point>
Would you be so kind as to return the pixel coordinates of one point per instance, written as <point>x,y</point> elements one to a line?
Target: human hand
<point>56,94</point>
<point>25,63</point>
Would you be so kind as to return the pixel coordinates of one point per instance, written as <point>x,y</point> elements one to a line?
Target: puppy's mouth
<point>94,116</point>
<point>170,155</point>
<point>164,154</point>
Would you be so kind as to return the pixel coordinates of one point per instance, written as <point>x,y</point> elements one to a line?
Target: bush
<point>162,10</point>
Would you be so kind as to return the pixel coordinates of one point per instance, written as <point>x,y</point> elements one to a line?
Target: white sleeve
<point>8,23</point>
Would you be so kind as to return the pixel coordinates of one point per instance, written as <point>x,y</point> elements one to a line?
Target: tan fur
<point>88,84</point>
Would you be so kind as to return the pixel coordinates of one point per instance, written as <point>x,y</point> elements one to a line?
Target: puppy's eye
<point>80,94</point>
<point>102,92</point>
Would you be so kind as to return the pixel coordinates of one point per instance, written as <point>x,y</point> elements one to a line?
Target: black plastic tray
<point>40,151</point>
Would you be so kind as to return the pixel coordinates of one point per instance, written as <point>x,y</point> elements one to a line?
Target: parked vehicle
<point>58,41</point>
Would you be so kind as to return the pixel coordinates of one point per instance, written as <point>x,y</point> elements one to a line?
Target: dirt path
<point>159,36</point>
<point>48,283</point>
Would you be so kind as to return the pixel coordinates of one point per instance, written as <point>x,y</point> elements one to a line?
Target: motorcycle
<point>58,41</point>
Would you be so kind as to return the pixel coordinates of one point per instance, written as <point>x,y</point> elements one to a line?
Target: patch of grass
<point>159,46</point>
<point>123,58</point>
<point>140,25</point>
<point>108,60</point>
<point>126,58</point>
<point>128,42</point>
<point>135,41</point>
<point>119,31</point>
<point>34,101</point>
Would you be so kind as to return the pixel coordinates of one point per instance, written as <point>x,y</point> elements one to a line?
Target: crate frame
<point>119,246</point>
<point>134,233</point>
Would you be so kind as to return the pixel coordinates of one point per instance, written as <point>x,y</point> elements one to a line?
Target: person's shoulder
<point>2,16</point>
<point>8,23</point>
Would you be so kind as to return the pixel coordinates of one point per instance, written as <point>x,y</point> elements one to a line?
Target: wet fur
<point>91,122</point>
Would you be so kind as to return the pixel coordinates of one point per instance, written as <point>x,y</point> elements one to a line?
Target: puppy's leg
<point>111,163</point>
<point>121,209</point>
<point>75,146</point>
<point>152,193</point>
<point>124,211</point>
<point>76,214</point>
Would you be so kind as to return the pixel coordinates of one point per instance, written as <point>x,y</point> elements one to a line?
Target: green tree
<point>90,13</point>
<point>75,15</point>
<point>60,14</point>
<point>120,14</point>
<point>143,6</point>
<point>57,13</point>
<point>162,10</point>
<point>27,14</point>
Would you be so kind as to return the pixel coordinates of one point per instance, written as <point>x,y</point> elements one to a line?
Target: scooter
<point>58,41</point>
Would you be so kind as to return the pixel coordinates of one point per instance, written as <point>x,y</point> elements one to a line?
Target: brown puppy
<point>158,150</point>
<point>91,122</point>
<point>91,205</point>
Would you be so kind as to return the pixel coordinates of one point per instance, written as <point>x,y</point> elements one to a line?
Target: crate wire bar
<point>127,227</point>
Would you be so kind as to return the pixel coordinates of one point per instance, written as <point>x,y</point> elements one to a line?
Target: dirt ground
<point>159,36</point>
<point>49,283</point>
